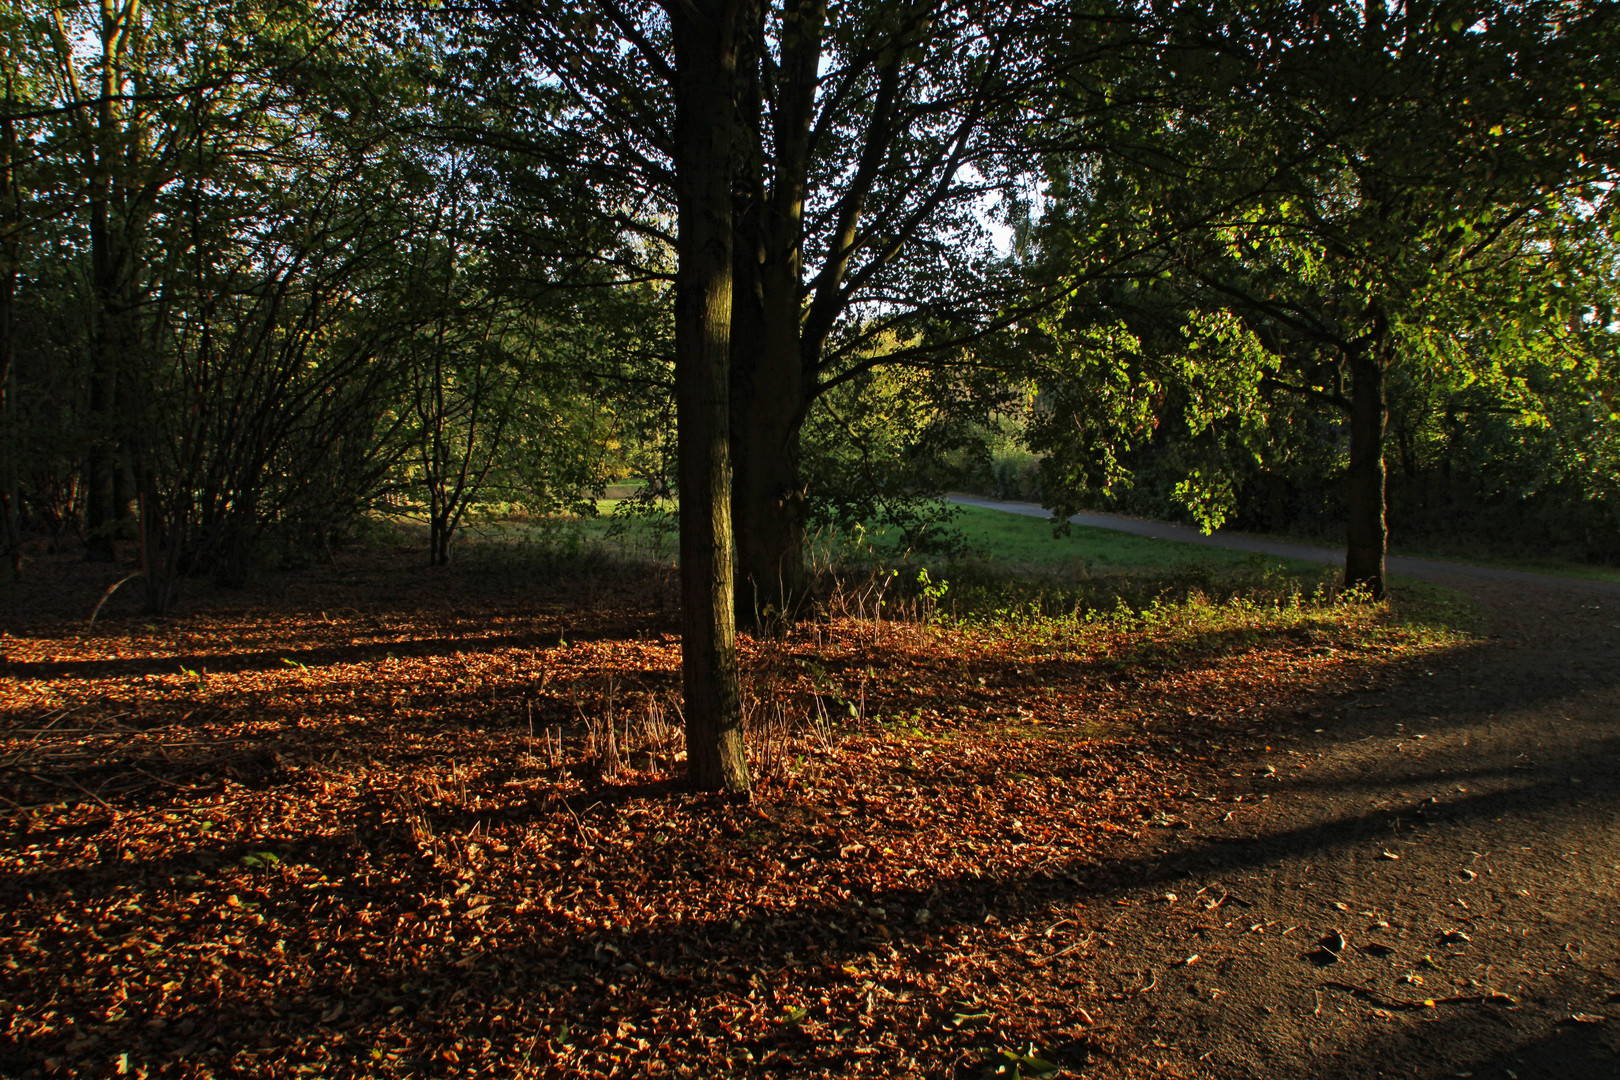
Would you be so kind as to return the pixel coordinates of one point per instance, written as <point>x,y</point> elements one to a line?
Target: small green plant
<point>826,689</point>
<point>929,594</point>
<point>1011,1064</point>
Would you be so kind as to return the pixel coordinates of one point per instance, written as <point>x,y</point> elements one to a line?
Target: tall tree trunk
<point>110,489</point>
<point>706,42</point>
<point>767,412</point>
<point>101,451</point>
<point>770,384</point>
<point>109,493</point>
<point>1368,527</point>
<point>10,259</point>
<point>10,486</point>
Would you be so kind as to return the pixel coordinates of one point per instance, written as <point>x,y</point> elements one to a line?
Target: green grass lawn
<point>1010,541</point>
<point>1011,560</point>
<point>1029,541</point>
<point>1012,566</point>
<point>1015,565</point>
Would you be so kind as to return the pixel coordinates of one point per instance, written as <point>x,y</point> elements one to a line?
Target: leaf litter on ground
<point>396,821</point>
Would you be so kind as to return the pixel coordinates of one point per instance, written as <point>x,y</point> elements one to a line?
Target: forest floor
<point>369,819</point>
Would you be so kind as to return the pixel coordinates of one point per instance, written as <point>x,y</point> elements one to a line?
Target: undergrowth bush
<point>564,549</point>
<point>984,590</point>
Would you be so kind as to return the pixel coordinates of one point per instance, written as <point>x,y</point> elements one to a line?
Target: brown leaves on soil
<point>411,822</point>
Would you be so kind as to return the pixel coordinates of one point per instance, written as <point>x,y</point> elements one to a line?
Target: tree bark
<point>770,384</point>
<point>768,402</point>
<point>440,532</point>
<point>10,487</point>
<point>109,493</point>
<point>10,260</point>
<point>1368,526</point>
<point>101,451</point>
<point>768,501</point>
<point>706,42</point>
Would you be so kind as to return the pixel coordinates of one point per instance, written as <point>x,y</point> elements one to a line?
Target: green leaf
<point>1011,1064</point>
<point>1030,1065</point>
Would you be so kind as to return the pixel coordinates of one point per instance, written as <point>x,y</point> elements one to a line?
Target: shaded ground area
<point>1454,836</point>
<point>1459,829</point>
<point>378,826</point>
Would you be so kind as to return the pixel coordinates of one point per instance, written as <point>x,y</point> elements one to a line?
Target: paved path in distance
<point>1449,573</point>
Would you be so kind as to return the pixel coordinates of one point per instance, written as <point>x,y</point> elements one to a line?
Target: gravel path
<point>1449,833</point>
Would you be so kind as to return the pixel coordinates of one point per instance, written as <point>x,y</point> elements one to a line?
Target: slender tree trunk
<point>706,42</point>
<point>1368,528</point>
<point>435,509</point>
<point>126,493</point>
<point>163,543</point>
<point>439,541</point>
<point>101,451</point>
<point>10,258</point>
<point>10,486</point>
<point>109,492</point>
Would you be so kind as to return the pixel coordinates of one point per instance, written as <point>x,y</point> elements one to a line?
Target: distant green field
<point>1006,541</point>
<point>1016,539</point>
<point>1010,564</point>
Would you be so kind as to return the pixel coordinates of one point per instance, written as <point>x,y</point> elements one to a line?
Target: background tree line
<point>250,304</point>
<point>271,270</point>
